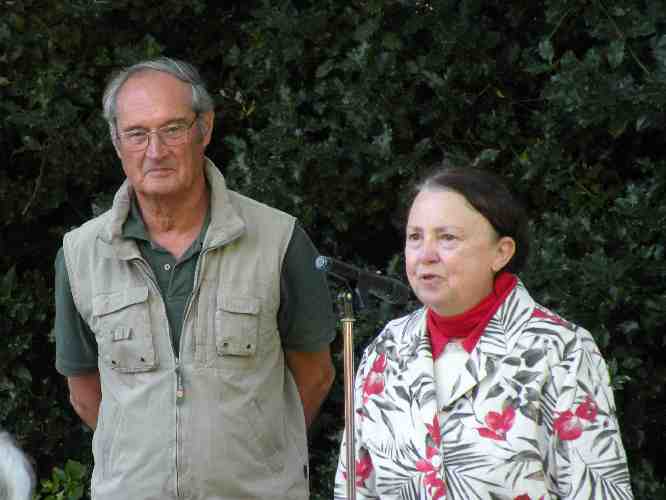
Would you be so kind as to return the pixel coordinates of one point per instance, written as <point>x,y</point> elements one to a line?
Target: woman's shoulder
<point>399,333</point>
<point>403,325</point>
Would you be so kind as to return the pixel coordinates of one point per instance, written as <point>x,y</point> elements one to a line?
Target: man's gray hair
<point>202,101</point>
<point>17,478</point>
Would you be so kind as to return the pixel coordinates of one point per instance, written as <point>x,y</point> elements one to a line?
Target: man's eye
<point>136,136</point>
<point>173,130</point>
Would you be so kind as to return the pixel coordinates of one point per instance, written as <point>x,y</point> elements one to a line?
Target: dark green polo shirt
<point>305,319</point>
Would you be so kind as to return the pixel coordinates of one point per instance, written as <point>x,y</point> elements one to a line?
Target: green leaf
<point>486,156</point>
<point>22,373</point>
<point>74,469</point>
<point>616,53</point>
<point>546,51</point>
<point>659,51</point>
<point>324,69</point>
<point>7,284</point>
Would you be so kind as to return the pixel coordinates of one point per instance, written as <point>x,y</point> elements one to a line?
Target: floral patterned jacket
<point>530,416</point>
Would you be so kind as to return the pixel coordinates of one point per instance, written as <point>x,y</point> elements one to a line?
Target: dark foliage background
<point>329,109</point>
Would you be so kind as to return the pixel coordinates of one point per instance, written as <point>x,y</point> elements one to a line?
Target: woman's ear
<point>505,250</point>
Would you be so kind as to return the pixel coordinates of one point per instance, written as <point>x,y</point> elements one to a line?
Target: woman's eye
<point>447,237</point>
<point>413,236</point>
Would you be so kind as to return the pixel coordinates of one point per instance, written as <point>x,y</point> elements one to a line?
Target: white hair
<point>202,102</point>
<point>17,478</point>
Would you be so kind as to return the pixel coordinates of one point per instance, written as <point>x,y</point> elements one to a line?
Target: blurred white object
<point>17,479</point>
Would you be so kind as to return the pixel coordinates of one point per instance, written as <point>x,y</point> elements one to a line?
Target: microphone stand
<point>346,302</point>
<point>388,290</point>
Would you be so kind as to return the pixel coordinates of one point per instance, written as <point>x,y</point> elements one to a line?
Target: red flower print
<point>434,431</point>
<point>431,465</point>
<point>498,424</point>
<point>522,497</point>
<point>567,426</point>
<point>374,383</point>
<point>436,487</point>
<point>364,468</point>
<point>587,410</point>
<point>539,313</point>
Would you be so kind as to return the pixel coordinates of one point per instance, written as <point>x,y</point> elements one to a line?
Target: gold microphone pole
<point>388,289</point>
<point>347,320</point>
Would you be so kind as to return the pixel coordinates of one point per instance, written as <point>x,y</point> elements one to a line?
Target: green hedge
<point>328,110</point>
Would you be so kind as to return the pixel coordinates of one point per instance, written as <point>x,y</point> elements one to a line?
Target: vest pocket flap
<point>240,305</point>
<point>108,303</point>
<point>237,326</point>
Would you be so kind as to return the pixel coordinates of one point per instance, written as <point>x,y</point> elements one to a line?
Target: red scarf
<point>470,324</point>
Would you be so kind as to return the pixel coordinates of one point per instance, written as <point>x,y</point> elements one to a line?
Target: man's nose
<point>156,147</point>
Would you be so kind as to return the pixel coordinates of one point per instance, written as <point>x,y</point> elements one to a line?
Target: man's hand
<point>313,373</point>
<point>85,394</point>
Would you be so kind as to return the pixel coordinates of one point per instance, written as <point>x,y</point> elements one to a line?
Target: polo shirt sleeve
<point>306,320</point>
<point>76,347</point>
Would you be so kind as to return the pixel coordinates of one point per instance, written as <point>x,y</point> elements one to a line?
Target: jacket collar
<point>225,226</point>
<point>497,341</point>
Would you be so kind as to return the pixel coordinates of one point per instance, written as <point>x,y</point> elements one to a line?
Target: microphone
<point>390,290</point>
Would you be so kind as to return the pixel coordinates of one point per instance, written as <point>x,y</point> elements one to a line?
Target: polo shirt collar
<point>225,226</point>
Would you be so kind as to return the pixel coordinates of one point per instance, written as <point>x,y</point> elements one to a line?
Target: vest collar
<point>225,224</point>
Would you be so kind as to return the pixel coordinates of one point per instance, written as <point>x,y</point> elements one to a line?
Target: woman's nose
<point>429,251</point>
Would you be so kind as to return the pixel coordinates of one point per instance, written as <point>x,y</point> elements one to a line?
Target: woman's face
<point>452,252</point>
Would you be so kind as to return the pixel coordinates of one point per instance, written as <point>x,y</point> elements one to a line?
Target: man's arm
<point>313,373</point>
<point>85,394</point>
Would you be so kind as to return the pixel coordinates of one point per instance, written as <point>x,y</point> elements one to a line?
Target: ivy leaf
<point>7,284</point>
<point>659,51</point>
<point>616,53</point>
<point>324,69</point>
<point>546,51</point>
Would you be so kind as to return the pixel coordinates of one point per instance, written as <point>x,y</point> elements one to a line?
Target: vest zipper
<point>180,391</point>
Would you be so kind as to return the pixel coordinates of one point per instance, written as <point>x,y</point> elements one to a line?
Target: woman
<point>482,393</point>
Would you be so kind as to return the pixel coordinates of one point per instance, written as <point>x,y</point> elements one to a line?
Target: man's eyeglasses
<point>173,134</point>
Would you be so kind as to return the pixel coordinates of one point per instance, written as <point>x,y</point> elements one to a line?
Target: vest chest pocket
<point>122,321</point>
<point>237,329</point>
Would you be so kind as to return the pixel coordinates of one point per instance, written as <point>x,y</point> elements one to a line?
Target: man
<point>190,323</point>
<point>17,479</point>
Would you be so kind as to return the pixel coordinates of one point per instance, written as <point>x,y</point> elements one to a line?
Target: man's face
<point>151,100</point>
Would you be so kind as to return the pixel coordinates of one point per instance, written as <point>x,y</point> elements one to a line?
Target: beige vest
<point>222,421</point>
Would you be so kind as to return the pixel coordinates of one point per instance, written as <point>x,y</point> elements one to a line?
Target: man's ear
<point>115,146</point>
<point>206,127</point>
<point>505,250</point>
